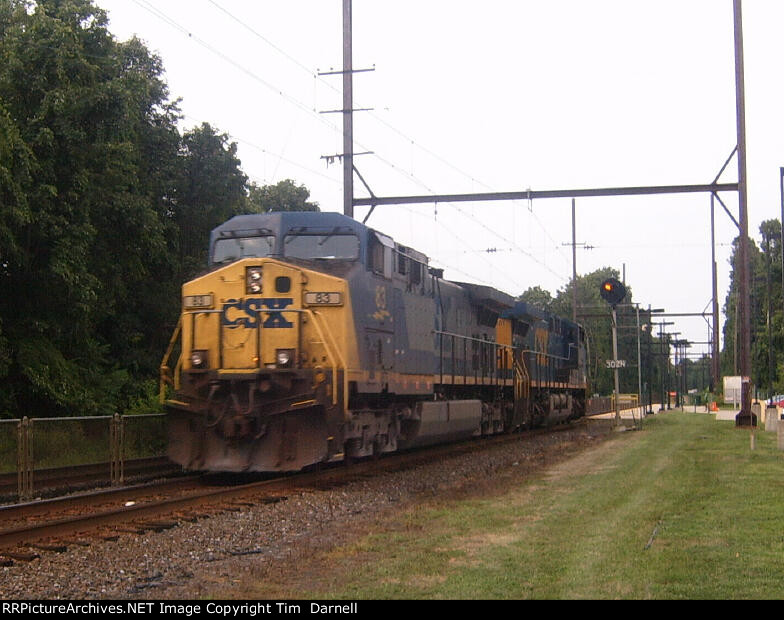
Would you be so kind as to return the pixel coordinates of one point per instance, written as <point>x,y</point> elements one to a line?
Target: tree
<point>730,353</point>
<point>766,313</point>
<point>283,196</point>
<point>105,209</point>
<point>538,297</point>
<point>81,229</point>
<point>594,315</point>
<point>210,190</point>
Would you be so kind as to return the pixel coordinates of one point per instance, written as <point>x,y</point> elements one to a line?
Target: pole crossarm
<point>540,194</point>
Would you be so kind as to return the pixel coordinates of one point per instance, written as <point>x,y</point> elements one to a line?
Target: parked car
<point>777,400</point>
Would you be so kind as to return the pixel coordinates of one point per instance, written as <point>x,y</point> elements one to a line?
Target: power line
<point>146,5</point>
<point>379,119</point>
<point>272,153</point>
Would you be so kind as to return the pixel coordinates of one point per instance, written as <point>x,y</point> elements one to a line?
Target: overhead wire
<point>383,122</point>
<point>148,6</point>
<point>266,151</point>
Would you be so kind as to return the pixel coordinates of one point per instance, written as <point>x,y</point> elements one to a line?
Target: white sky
<point>499,95</point>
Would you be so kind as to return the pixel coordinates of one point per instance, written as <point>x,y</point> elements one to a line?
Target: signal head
<point>612,291</point>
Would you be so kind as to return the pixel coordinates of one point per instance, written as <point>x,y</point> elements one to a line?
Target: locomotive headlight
<point>199,359</point>
<point>253,280</point>
<point>284,357</point>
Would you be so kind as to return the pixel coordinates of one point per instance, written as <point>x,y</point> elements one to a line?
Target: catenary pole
<point>348,114</point>
<point>745,416</point>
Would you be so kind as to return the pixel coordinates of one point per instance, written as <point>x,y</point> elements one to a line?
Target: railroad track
<point>56,524</point>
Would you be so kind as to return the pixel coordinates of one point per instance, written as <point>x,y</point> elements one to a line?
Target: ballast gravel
<point>191,560</point>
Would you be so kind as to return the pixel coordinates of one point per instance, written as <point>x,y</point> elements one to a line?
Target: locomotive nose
<point>259,318</point>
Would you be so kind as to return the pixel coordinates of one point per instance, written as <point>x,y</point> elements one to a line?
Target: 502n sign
<point>616,363</point>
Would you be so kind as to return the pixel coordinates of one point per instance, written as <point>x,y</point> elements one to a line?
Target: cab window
<point>229,249</point>
<point>380,254</point>
<point>327,246</point>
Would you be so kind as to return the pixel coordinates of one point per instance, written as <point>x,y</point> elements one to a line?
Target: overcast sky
<point>499,95</point>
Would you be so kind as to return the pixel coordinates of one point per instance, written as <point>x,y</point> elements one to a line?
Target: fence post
<point>24,458</point>
<point>116,434</point>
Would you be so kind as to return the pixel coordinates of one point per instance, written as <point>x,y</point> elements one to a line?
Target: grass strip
<point>683,509</point>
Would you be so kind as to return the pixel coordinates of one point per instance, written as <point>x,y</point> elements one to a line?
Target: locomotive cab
<point>265,339</point>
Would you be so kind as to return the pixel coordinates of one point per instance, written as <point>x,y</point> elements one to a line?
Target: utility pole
<point>347,110</point>
<point>615,368</point>
<point>650,362</point>
<point>574,245</point>
<point>715,367</point>
<point>745,417</point>
<point>674,367</point>
<point>639,360</point>
<point>767,317</point>
<point>613,293</point>
<point>348,114</point>
<point>574,266</point>
<point>662,370</point>
<point>781,187</point>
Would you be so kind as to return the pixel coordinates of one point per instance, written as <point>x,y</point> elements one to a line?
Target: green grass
<point>682,510</point>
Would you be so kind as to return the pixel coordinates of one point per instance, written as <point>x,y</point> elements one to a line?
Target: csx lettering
<point>245,313</point>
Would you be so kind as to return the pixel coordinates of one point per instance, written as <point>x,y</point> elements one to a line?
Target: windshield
<point>235,248</point>
<point>330,245</point>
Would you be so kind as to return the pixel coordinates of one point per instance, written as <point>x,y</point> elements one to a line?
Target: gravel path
<point>215,556</point>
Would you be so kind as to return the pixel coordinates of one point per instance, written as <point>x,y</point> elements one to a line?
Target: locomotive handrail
<point>164,369</point>
<point>553,355</point>
<point>493,342</point>
<point>506,346</point>
<point>337,356</point>
<point>521,379</point>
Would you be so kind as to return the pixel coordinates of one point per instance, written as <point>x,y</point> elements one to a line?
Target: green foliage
<point>210,189</point>
<point>283,196</point>
<point>105,209</point>
<point>594,315</point>
<point>766,312</point>
<point>537,297</point>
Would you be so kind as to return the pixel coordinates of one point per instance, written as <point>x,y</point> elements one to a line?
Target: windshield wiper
<point>330,235</point>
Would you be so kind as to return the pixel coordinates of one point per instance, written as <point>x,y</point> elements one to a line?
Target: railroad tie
<point>132,529</point>
<point>22,556</point>
<point>80,543</point>
<point>56,547</point>
<point>159,526</point>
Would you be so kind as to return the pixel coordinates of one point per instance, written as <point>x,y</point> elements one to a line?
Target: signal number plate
<point>323,299</point>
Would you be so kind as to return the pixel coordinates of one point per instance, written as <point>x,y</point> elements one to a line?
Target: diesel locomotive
<point>313,338</point>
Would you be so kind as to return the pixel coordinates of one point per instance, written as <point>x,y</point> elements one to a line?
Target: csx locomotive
<point>313,338</point>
